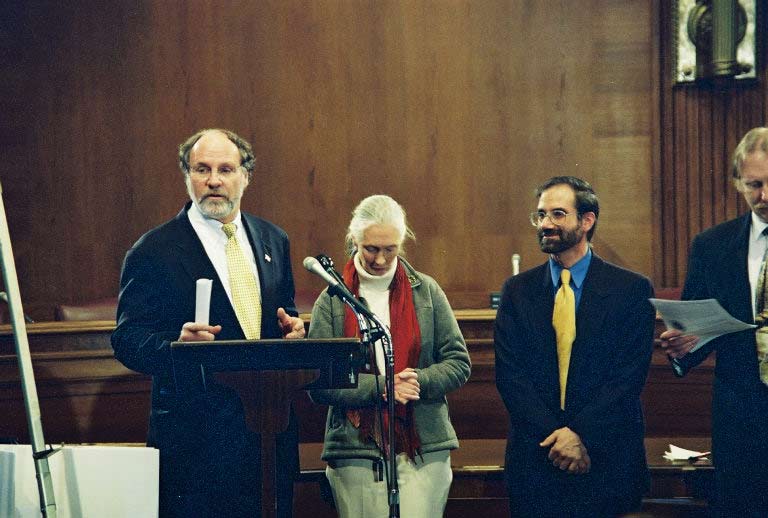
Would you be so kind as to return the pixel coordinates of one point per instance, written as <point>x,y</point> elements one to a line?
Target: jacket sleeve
<point>695,288</point>
<point>287,290</point>
<point>146,319</point>
<point>328,322</point>
<point>450,366</point>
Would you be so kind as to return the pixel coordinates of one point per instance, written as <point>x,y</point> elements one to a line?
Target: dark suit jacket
<point>608,367</point>
<point>204,436</point>
<point>717,268</point>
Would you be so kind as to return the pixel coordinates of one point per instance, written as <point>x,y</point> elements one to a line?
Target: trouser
<point>360,490</point>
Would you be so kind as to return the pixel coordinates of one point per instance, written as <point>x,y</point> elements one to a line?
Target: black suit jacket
<point>608,367</point>
<point>717,268</point>
<point>203,434</point>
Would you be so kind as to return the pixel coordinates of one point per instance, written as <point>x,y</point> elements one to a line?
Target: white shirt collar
<point>756,230</point>
<point>196,216</point>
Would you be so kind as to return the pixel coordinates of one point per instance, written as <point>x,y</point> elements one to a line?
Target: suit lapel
<point>195,261</point>
<point>735,274</point>
<point>261,252</point>
<point>541,303</point>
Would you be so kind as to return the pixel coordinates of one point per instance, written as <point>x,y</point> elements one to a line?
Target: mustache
<point>214,193</point>
<point>546,232</point>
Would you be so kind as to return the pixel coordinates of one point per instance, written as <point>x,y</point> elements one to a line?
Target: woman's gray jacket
<point>444,366</point>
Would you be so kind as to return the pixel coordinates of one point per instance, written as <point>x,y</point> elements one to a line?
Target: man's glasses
<point>557,217</point>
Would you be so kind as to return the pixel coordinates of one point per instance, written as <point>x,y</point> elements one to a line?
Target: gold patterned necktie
<point>564,322</point>
<point>246,295</point>
<point>761,319</point>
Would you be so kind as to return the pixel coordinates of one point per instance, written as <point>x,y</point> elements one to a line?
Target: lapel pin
<point>267,258</point>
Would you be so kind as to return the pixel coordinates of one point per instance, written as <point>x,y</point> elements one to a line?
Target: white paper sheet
<point>703,318</point>
<point>677,453</point>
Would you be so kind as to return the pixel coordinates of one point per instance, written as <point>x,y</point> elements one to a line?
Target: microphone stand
<point>389,377</point>
<point>369,334</point>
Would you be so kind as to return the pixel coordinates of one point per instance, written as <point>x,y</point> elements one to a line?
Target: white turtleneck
<point>375,290</point>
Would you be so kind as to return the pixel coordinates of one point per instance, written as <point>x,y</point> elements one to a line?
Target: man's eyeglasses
<point>557,217</point>
<point>204,170</point>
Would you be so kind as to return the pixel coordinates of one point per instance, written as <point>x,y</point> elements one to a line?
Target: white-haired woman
<point>431,360</point>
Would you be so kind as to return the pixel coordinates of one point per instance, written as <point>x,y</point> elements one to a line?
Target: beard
<point>216,208</point>
<point>568,239</point>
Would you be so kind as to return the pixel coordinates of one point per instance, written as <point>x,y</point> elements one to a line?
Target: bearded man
<point>573,341</point>
<point>209,460</point>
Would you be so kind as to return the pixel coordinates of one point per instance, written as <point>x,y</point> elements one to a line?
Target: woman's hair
<point>378,209</point>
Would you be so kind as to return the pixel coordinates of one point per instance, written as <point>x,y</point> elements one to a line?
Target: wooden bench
<point>678,489</point>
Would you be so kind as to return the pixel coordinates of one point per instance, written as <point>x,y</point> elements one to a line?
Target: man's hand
<point>406,386</point>
<point>193,332</point>
<point>292,327</point>
<point>567,452</point>
<point>676,344</point>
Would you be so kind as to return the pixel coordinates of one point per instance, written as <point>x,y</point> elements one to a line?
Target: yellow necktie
<point>564,322</point>
<point>246,295</point>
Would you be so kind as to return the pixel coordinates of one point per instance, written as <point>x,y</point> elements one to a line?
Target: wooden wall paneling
<point>440,104</point>
<point>658,125</point>
<point>700,125</point>
<point>680,186</point>
<point>706,211</point>
<point>663,194</point>
<point>621,126</point>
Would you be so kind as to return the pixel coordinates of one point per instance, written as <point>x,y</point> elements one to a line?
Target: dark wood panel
<point>699,126</point>
<point>457,109</point>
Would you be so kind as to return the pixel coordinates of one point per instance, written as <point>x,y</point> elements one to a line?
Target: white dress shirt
<point>214,241</point>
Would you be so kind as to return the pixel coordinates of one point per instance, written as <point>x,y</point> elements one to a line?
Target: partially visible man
<point>209,461</point>
<point>573,341</point>
<point>727,263</point>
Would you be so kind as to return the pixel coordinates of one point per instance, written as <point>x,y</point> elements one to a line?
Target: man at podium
<point>209,461</point>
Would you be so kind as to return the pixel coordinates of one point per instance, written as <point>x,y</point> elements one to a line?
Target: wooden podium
<point>267,374</point>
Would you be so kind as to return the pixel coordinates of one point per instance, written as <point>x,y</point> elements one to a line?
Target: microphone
<point>515,264</point>
<point>4,298</point>
<point>327,264</point>
<point>337,288</point>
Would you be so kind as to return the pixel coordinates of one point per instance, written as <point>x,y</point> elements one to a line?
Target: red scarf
<point>406,342</point>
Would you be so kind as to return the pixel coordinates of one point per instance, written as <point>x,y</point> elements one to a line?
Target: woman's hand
<point>406,386</point>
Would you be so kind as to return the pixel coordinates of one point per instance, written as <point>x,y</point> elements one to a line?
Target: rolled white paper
<point>203,300</point>
<point>515,264</point>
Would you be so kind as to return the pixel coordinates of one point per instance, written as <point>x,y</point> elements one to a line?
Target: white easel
<point>39,452</point>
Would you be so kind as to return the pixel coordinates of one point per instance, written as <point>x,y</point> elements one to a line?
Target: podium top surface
<point>269,342</point>
<point>271,354</point>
